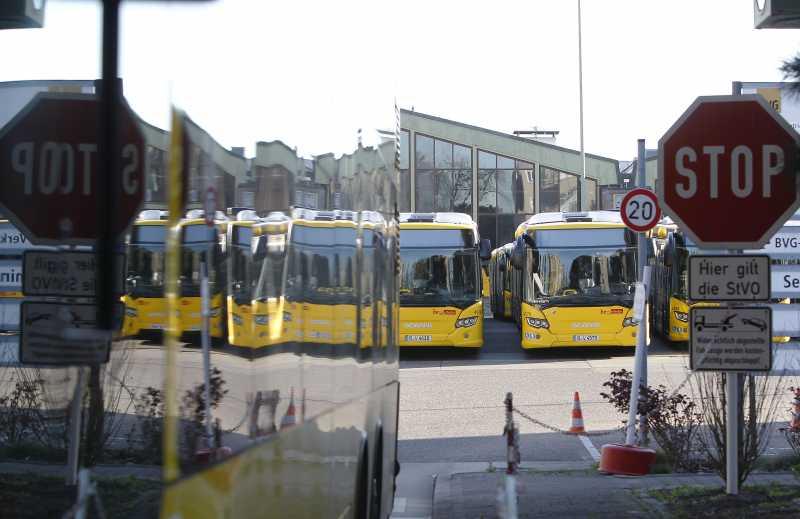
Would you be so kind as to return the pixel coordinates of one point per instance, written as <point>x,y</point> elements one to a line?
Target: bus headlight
<point>466,322</point>
<point>238,321</point>
<point>261,320</point>
<point>629,321</point>
<point>681,316</point>
<point>131,312</point>
<point>287,317</point>
<point>537,323</point>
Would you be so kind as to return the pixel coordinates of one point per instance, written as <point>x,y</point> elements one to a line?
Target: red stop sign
<point>48,163</point>
<point>727,171</point>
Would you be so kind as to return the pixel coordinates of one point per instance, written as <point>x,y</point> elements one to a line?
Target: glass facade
<point>506,195</point>
<point>443,175</point>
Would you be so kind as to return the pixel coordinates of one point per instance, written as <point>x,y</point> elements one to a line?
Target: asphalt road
<point>452,413</point>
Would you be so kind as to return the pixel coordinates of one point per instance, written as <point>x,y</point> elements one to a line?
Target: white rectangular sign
<point>46,331</point>
<point>783,244</point>
<point>62,273</point>
<point>11,275</point>
<point>785,281</point>
<point>729,278</point>
<point>730,339</point>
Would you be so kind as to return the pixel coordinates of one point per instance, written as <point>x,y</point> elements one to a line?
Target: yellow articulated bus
<point>256,250</point>
<point>669,303</point>
<point>500,281</point>
<point>321,304</point>
<point>440,280</point>
<point>578,273</point>
<point>144,299</point>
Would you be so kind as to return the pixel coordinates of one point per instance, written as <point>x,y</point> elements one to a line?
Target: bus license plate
<point>585,338</point>
<point>419,338</point>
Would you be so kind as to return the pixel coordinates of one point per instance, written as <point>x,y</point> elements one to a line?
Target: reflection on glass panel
<point>486,160</point>
<point>423,152</point>
<point>524,165</point>
<point>548,190</point>
<point>487,227</point>
<point>524,191</point>
<point>505,195</point>
<point>404,149</point>
<point>487,191</point>
<point>506,225</point>
<point>462,157</point>
<point>504,162</point>
<point>591,194</point>
<point>463,197</point>
<point>405,190</point>
<point>296,332</point>
<point>444,191</point>
<point>425,191</point>
<point>568,191</point>
<point>443,154</point>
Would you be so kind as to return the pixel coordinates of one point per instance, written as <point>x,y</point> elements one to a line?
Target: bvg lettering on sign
<point>60,167</point>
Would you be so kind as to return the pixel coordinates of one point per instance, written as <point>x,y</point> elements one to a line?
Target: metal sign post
<point>205,314</point>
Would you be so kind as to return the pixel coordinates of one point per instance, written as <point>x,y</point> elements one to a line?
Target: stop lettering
<point>50,166</point>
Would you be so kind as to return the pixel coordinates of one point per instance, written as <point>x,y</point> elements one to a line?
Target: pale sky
<point>312,72</point>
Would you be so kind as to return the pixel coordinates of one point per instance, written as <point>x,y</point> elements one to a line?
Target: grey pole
<point>732,425</point>
<point>641,181</point>
<point>206,342</point>
<point>74,443</point>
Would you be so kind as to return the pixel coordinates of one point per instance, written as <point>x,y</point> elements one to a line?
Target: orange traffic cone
<point>795,423</point>
<point>577,416</point>
<point>288,419</point>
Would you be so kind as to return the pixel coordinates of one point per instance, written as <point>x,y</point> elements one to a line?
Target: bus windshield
<point>438,277</point>
<point>242,264</point>
<point>589,267</point>
<point>199,243</point>
<point>146,261</point>
<point>321,265</point>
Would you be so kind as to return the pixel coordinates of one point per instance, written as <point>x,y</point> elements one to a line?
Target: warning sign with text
<point>730,339</point>
<point>66,274</point>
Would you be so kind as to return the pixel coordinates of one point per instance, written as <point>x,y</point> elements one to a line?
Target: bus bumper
<point>540,338</point>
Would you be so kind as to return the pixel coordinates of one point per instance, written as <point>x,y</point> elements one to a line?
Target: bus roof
<point>574,220</point>
<point>437,221</point>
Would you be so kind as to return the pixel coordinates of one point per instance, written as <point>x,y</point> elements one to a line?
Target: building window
<point>443,176</point>
<point>558,190</point>
<point>591,194</point>
<point>506,195</point>
<point>405,175</point>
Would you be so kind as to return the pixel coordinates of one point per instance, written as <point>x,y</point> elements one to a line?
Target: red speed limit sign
<point>639,210</point>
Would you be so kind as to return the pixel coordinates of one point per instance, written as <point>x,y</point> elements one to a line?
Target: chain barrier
<point>604,433</point>
<point>564,431</point>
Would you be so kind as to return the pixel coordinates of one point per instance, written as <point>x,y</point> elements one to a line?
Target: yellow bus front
<point>144,300</point>
<point>578,284</point>
<point>440,285</point>
<point>201,244</point>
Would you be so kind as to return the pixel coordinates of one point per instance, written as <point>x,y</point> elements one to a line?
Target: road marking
<point>593,452</point>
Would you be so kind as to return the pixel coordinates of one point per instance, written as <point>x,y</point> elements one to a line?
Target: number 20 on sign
<point>639,210</point>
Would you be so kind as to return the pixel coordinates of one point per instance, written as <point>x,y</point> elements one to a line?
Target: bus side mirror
<point>485,250</point>
<point>518,254</point>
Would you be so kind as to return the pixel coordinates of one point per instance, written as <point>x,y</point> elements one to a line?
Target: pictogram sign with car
<point>731,339</point>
